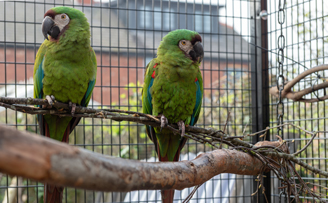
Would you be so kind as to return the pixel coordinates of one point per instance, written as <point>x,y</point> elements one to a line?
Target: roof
<point>20,25</point>
<point>227,44</point>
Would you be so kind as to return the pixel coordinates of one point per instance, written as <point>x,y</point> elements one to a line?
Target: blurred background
<point>237,76</point>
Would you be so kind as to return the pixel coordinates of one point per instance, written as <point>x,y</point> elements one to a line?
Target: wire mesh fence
<point>125,36</point>
<point>305,46</point>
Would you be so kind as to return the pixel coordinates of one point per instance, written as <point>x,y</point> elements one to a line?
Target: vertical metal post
<point>260,87</point>
<point>265,91</point>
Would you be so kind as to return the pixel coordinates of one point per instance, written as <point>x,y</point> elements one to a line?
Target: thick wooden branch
<point>46,160</point>
<point>297,96</point>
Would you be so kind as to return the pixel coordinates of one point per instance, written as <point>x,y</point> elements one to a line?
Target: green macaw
<point>173,91</point>
<point>65,69</point>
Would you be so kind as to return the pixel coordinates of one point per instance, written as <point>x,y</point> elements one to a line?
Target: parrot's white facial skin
<point>61,20</point>
<point>185,46</point>
<point>192,49</point>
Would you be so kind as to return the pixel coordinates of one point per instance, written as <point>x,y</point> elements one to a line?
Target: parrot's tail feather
<point>167,196</point>
<point>53,194</point>
<point>41,125</point>
<point>165,158</point>
<point>66,134</point>
<point>46,130</point>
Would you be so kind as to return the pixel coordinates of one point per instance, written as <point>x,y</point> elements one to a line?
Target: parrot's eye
<point>61,20</point>
<point>185,46</point>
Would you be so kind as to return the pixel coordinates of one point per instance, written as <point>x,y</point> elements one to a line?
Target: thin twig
<point>306,146</point>
<point>278,126</point>
<point>226,123</point>
<point>245,129</point>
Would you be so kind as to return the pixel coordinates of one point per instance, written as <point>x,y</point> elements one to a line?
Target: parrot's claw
<point>164,121</point>
<point>72,107</point>
<point>182,128</point>
<point>50,99</point>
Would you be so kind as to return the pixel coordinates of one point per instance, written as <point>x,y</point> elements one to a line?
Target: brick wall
<point>114,72</point>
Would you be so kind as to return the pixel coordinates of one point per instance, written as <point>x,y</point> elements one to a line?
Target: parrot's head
<point>183,43</point>
<point>59,20</point>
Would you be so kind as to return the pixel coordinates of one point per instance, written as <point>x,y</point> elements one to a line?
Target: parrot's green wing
<point>37,78</point>
<point>147,106</point>
<point>38,72</point>
<point>146,96</point>
<point>87,96</point>
<point>199,98</point>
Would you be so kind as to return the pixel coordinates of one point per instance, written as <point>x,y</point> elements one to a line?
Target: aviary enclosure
<point>252,48</point>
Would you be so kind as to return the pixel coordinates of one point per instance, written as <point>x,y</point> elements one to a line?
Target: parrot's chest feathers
<point>66,81</point>
<point>174,95</point>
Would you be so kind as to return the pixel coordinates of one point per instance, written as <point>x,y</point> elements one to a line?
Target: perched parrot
<point>173,91</point>
<point>65,69</point>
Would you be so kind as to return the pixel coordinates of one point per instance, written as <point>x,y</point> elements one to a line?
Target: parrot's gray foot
<point>50,99</point>
<point>164,121</point>
<point>72,107</point>
<point>182,128</point>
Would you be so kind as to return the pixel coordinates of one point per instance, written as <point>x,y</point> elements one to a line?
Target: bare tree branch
<point>203,135</point>
<point>297,96</point>
<point>62,109</point>
<point>46,160</point>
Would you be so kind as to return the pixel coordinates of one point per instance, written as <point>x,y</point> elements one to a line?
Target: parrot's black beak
<point>197,54</point>
<point>49,28</point>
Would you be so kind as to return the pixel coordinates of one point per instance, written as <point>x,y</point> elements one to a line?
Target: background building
<point>125,40</point>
